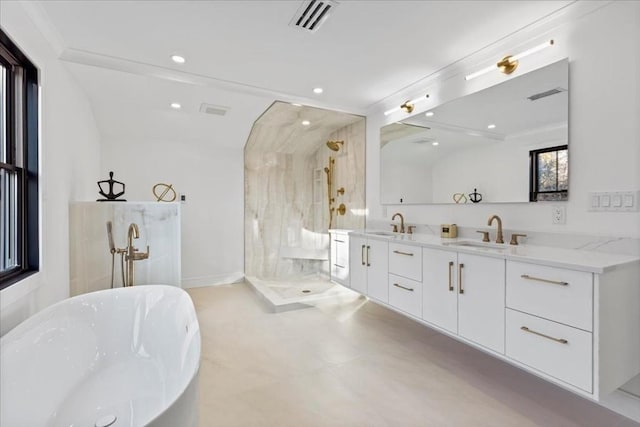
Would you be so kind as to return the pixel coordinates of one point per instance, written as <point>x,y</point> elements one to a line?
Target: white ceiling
<point>243,54</point>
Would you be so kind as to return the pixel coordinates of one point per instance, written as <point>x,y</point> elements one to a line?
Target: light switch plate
<point>614,201</point>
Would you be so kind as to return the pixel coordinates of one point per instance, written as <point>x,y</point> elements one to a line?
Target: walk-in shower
<point>300,181</point>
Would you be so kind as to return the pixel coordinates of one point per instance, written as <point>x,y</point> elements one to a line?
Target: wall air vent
<point>544,94</point>
<point>312,14</point>
<point>216,110</point>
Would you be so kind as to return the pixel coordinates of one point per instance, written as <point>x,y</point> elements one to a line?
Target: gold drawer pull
<point>402,287</point>
<point>402,253</point>
<point>553,282</point>
<point>450,274</point>
<point>560,340</point>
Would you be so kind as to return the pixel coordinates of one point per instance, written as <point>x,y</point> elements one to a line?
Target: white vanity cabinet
<point>440,288</point>
<point>576,327</point>
<point>369,267</point>
<point>339,256</point>
<point>568,316</point>
<point>481,285</point>
<point>405,278</point>
<point>464,294</point>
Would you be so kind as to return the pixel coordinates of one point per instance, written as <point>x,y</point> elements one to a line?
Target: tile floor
<point>359,364</point>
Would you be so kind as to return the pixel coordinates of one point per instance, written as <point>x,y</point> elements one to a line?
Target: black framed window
<point>549,172</point>
<point>19,236</point>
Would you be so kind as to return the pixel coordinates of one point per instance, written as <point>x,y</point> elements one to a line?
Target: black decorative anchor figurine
<point>475,197</point>
<point>110,196</point>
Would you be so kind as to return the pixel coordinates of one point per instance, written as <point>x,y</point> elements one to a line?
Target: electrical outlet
<point>558,215</point>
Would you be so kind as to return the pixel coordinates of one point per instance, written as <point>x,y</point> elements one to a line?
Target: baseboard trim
<point>220,279</point>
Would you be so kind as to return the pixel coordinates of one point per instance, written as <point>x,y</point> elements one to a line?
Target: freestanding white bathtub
<point>129,353</point>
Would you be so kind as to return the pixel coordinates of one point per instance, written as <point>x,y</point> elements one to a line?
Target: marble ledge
<point>574,259</point>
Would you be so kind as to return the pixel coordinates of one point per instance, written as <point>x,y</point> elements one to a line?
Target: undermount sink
<point>382,233</point>
<point>475,244</point>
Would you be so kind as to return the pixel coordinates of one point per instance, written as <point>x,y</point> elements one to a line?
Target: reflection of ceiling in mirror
<point>507,106</point>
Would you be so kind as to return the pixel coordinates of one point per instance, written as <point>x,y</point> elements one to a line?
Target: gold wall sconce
<point>407,106</point>
<point>340,191</point>
<point>342,209</point>
<point>509,63</point>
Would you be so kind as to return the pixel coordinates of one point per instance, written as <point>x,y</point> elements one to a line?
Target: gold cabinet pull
<point>362,255</point>
<point>538,279</point>
<point>460,286</point>
<point>368,253</point>
<point>450,274</point>
<point>560,340</point>
<point>402,287</point>
<point>403,253</point>
<point>339,266</point>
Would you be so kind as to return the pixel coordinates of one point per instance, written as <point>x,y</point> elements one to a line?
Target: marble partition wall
<point>286,199</point>
<point>90,259</point>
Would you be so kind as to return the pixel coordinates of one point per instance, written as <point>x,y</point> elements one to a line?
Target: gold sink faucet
<point>401,221</point>
<point>499,237</point>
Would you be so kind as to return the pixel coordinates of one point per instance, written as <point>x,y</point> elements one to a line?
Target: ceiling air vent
<point>216,110</point>
<point>311,14</point>
<point>544,94</point>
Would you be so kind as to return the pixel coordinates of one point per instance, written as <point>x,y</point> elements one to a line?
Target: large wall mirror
<point>506,143</point>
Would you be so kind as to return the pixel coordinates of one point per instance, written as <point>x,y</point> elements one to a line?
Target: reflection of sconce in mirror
<point>407,106</point>
<point>509,63</point>
<point>341,191</point>
<point>342,209</point>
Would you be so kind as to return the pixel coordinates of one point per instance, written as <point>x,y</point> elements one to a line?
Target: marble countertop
<point>575,259</point>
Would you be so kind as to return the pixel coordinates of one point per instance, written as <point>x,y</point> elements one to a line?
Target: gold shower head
<point>334,145</point>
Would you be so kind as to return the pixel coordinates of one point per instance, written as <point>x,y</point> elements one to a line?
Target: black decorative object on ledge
<point>110,196</point>
<point>475,197</point>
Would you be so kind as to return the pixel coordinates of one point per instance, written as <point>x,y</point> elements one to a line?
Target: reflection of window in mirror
<point>549,173</point>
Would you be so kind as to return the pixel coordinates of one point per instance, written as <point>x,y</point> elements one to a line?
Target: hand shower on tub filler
<point>128,255</point>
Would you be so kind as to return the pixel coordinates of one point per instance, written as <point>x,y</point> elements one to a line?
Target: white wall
<point>213,214</point>
<point>604,132</point>
<point>69,165</point>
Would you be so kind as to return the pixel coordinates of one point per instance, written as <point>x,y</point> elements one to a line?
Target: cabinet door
<point>481,300</point>
<point>340,258</point>
<point>378,266</point>
<point>357,264</point>
<point>439,288</point>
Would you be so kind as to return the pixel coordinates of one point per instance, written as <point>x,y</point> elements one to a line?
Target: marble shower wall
<point>286,204</point>
<point>349,170</point>
<point>90,260</point>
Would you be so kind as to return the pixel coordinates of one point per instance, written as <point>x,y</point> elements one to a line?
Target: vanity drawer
<point>558,294</point>
<point>405,295</point>
<point>561,351</point>
<point>405,261</point>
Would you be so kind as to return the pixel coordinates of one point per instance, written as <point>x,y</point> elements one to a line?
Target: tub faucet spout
<point>132,254</point>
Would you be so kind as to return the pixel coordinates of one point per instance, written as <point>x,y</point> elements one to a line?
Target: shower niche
<point>301,180</point>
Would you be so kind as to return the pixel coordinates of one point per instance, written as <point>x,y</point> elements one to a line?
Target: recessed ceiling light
<point>491,126</point>
<point>318,90</point>
<point>435,143</point>
<point>429,113</point>
<point>306,123</point>
<point>178,59</point>
<point>176,106</point>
